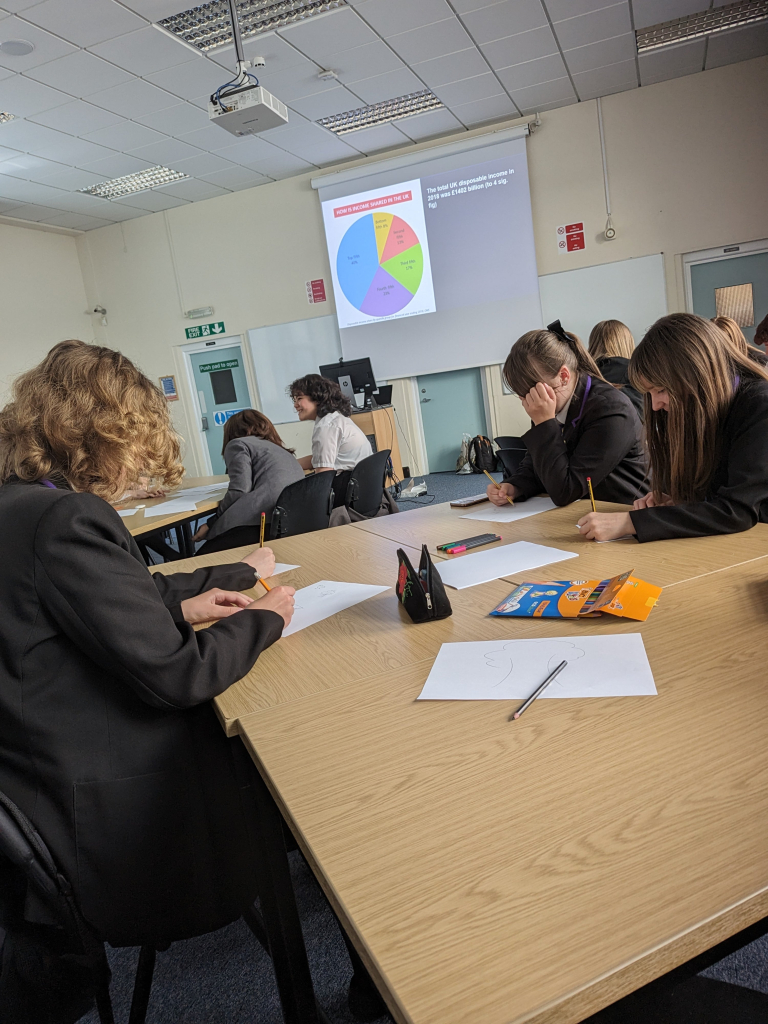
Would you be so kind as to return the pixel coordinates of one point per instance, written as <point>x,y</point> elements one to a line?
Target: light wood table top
<point>139,523</point>
<point>661,562</point>
<point>499,873</point>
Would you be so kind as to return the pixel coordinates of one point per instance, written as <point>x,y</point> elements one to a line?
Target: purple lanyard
<point>47,483</point>
<point>583,401</point>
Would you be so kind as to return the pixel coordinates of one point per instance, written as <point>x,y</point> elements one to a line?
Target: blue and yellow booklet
<point>623,595</point>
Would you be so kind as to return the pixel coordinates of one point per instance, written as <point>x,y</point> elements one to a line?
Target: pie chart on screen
<point>379,264</point>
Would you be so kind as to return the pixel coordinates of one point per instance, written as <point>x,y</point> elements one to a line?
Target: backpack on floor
<point>481,455</point>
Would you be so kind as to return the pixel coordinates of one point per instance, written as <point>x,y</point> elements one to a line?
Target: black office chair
<point>303,506</point>
<point>366,484</point>
<point>510,459</point>
<point>510,442</point>
<point>23,852</point>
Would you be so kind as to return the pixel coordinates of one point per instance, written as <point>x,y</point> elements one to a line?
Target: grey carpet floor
<point>226,978</point>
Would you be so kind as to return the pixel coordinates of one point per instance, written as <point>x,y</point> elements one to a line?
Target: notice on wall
<point>316,291</point>
<point>570,237</point>
<point>169,389</point>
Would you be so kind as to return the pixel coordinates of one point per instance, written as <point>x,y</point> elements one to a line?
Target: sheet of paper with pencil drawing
<point>598,666</point>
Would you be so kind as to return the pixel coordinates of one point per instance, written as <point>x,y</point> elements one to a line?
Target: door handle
<point>425,400</point>
<point>204,422</point>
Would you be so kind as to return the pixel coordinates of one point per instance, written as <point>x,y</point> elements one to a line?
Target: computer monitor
<point>353,377</point>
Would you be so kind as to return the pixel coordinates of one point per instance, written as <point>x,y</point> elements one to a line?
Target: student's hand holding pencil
<point>262,560</point>
<point>500,494</point>
<point>605,525</point>
<point>279,600</point>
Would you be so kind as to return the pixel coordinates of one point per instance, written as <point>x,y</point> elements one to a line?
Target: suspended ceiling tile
<point>80,74</point>
<point>7,206</point>
<point>540,107</point>
<point>539,42</point>
<point>561,9</point>
<point>364,62</point>
<point>323,104</point>
<point>46,46</point>
<point>653,12</point>
<point>382,15</point>
<point>126,136</point>
<point>152,201</point>
<point>672,62</point>
<point>210,138</point>
<point>116,166</point>
<point>70,179</point>
<point>119,212</point>
<point>312,143</point>
<point>388,86</point>
<point>339,30</point>
<point>604,81</point>
<point>265,158</point>
<point>494,108</point>
<point>383,136</point>
<point>77,221</point>
<point>35,213</point>
<point>134,99</point>
<point>481,87</point>
<point>294,83</point>
<point>145,51</point>
<point>165,153</point>
<point>205,163</point>
<point>190,79</point>
<point>235,178</point>
<point>15,6</point>
<point>598,55</point>
<point>76,117</point>
<point>94,206</point>
<point>455,68</point>
<point>278,54</point>
<point>53,145</point>
<point>176,121</point>
<point>156,10</point>
<point>5,73</point>
<point>424,126</point>
<point>296,120</point>
<point>420,44</point>
<point>30,191</point>
<point>8,154</point>
<point>547,92</point>
<point>84,22</point>
<point>194,190</point>
<point>284,165</point>
<point>591,28</point>
<point>533,72</point>
<point>23,97</point>
<point>743,44</point>
<point>32,168</point>
<point>247,151</point>
<point>507,18</point>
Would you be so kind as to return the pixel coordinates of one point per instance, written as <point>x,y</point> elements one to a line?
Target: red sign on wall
<point>316,291</point>
<point>570,237</point>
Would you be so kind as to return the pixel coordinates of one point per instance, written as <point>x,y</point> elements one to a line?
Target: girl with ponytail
<point>581,425</point>
<point>706,420</point>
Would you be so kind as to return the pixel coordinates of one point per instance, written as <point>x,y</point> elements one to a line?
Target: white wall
<point>42,298</point>
<point>687,163</point>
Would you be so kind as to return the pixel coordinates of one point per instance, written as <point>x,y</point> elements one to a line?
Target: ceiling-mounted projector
<point>242,106</point>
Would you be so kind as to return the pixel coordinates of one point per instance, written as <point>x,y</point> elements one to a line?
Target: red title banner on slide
<point>372,204</point>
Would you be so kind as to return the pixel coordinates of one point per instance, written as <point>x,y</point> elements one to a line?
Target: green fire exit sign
<point>205,330</point>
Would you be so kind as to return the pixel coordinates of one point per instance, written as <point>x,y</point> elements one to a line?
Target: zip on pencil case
<point>422,594</point>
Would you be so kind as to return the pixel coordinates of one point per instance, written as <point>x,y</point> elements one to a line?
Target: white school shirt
<point>338,443</point>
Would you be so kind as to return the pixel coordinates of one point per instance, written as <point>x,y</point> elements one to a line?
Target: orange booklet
<point>624,595</point>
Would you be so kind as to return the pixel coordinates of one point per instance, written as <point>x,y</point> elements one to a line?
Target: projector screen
<point>434,266</point>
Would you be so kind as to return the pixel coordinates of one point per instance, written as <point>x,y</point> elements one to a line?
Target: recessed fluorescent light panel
<point>5,116</point>
<point>707,23</point>
<point>132,183</point>
<point>381,113</point>
<point>208,25</point>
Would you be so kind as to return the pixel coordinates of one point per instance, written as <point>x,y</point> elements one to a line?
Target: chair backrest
<point>510,442</point>
<point>366,483</point>
<point>510,459</point>
<point>303,506</point>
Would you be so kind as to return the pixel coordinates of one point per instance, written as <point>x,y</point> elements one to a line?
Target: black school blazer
<point>737,495</point>
<point>615,369</point>
<point>600,438</point>
<point>107,738</point>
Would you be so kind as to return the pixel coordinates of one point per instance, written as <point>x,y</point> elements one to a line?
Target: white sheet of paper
<point>167,508</point>
<point>598,666</point>
<point>283,567</point>
<point>508,514</point>
<point>326,598</point>
<point>202,491</point>
<point>125,512</point>
<point>469,570</point>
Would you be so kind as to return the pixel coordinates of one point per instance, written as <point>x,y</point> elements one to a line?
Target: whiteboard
<point>283,352</point>
<point>632,291</point>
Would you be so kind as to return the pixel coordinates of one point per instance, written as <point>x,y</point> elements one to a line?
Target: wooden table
<point>505,873</point>
<point>139,523</point>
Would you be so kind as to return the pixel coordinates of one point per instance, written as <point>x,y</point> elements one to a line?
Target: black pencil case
<point>421,593</point>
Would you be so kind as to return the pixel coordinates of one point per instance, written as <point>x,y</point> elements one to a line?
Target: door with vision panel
<point>706,278</point>
<point>451,405</point>
<point>222,390</point>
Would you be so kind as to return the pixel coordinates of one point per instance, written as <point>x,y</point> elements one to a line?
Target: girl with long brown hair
<point>259,467</point>
<point>706,419</point>
<point>109,742</point>
<point>735,335</point>
<point>611,345</point>
<point>581,425</point>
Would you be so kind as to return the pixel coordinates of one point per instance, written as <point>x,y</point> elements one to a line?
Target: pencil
<point>496,485</point>
<point>263,582</point>
<point>539,690</point>
<point>263,524</point>
<point>591,494</point>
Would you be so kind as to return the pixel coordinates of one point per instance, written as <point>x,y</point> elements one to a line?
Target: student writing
<point>109,742</point>
<point>581,425</point>
<point>611,346</point>
<point>259,466</point>
<point>706,418</point>
<point>337,442</point>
